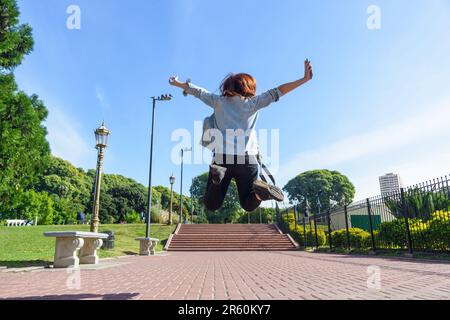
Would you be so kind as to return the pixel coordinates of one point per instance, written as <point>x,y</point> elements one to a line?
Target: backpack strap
<point>265,169</point>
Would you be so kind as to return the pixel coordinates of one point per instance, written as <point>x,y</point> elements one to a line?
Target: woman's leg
<point>215,193</point>
<point>245,175</point>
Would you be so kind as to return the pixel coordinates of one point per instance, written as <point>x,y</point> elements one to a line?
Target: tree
<point>31,205</point>
<point>266,215</point>
<point>324,185</point>
<point>62,179</point>
<point>24,150</point>
<point>165,196</point>
<point>16,39</point>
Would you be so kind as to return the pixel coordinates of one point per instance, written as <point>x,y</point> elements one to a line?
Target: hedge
<point>359,238</point>
<point>299,236</point>
<point>433,234</point>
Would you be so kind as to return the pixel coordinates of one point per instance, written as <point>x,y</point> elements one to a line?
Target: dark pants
<point>244,176</point>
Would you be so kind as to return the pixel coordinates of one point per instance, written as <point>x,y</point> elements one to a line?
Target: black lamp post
<point>172,181</point>
<point>164,97</point>
<point>101,136</point>
<point>181,183</point>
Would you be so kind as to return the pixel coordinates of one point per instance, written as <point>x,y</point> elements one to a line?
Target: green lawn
<point>27,246</point>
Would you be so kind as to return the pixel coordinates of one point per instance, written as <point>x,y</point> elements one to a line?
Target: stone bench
<point>147,246</point>
<point>75,247</point>
<point>16,223</point>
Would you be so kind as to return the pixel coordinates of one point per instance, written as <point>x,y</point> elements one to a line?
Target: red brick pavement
<point>235,275</point>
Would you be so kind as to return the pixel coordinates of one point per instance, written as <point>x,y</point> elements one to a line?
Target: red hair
<point>241,84</point>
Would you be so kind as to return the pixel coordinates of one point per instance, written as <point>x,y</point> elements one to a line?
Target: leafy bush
<point>392,234</point>
<point>432,234</point>
<point>133,217</point>
<point>439,230</point>
<point>109,220</point>
<point>358,238</point>
<point>418,203</point>
<point>299,236</point>
<point>155,215</point>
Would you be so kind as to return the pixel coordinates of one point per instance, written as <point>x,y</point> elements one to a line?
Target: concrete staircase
<point>229,237</point>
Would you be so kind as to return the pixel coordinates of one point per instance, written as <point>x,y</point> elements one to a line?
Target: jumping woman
<point>236,109</point>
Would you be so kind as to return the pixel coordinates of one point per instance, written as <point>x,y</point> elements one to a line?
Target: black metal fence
<point>413,219</point>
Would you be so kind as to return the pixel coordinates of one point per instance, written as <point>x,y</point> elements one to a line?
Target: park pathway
<point>235,275</point>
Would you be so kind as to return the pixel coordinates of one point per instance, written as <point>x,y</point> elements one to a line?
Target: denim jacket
<point>236,119</point>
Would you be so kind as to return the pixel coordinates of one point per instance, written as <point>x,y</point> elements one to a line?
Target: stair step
<point>230,237</point>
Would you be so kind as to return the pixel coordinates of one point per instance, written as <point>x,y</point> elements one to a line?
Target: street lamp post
<point>164,97</point>
<point>192,205</point>
<point>181,182</point>
<point>101,136</point>
<point>172,181</point>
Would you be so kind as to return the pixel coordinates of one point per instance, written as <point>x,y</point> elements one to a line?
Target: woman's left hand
<point>308,70</point>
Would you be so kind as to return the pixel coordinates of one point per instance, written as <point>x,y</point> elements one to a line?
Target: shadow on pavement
<point>115,296</point>
<point>25,263</point>
<point>385,255</point>
<point>130,253</point>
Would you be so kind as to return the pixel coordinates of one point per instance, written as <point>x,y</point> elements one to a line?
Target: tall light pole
<point>101,136</point>
<point>172,181</point>
<point>164,97</point>
<point>181,182</point>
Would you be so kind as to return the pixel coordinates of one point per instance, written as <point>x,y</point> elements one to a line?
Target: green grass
<point>27,246</point>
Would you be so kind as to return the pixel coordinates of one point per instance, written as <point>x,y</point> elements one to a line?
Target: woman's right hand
<point>174,81</point>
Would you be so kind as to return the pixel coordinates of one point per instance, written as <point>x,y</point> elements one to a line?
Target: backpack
<point>209,123</point>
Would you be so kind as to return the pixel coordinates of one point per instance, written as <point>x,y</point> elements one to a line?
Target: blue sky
<point>379,101</point>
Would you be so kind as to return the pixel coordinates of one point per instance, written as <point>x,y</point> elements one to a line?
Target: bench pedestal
<point>147,246</point>
<point>88,252</point>
<point>66,252</point>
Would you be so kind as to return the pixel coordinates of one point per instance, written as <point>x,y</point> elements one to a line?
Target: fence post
<point>304,232</point>
<point>346,227</point>
<point>295,218</point>
<point>286,222</point>
<point>315,230</point>
<point>369,211</point>
<point>405,214</point>
<point>329,229</point>
<point>310,230</point>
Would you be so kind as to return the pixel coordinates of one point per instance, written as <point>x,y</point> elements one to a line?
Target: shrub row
<point>358,238</point>
<point>310,240</point>
<point>433,234</point>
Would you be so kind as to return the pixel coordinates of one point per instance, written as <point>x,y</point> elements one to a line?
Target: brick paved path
<point>235,275</point>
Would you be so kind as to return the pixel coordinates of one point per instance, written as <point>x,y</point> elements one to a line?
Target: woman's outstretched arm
<point>176,83</point>
<point>288,87</point>
<point>274,95</point>
<point>188,88</point>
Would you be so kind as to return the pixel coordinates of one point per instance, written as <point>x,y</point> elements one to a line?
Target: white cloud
<point>100,94</point>
<point>65,140</point>
<point>424,128</point>
<point>63,128</point>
